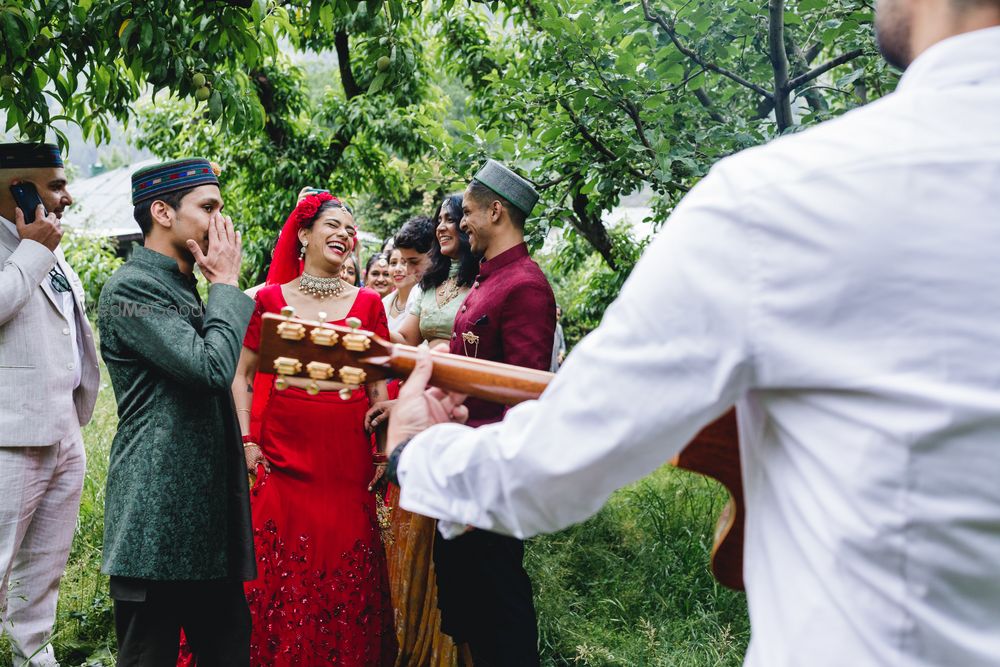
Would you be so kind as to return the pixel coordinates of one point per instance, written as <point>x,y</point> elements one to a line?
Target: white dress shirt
<point>67,304</point>
<point>842,287</point>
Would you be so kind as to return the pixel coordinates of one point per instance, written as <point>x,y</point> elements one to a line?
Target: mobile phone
<point>27,199</point>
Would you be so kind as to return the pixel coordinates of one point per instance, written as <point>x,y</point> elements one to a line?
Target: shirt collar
<point>505,258</point>
<point>967,58</point>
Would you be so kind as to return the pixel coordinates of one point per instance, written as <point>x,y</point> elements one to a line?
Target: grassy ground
<point>630,587</point>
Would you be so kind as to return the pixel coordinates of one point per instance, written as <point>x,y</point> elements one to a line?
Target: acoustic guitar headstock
<point>319,351</point>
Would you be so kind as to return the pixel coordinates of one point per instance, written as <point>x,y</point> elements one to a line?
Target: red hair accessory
<point>286,263</point>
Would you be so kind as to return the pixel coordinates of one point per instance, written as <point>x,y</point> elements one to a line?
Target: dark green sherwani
<point>177,505</point>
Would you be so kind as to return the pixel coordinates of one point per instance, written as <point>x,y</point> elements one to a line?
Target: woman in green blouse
<point>446,283</point>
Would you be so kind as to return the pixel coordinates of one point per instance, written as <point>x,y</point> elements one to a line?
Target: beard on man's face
<point>892,32</point>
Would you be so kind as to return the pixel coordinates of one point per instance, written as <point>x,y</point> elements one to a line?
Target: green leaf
<point>377,83</point>
<point>550,134</point>
<point>215,104</point>
<point>257,9</point>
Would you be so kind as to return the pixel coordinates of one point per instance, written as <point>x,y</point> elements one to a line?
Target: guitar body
<point>715,453</point>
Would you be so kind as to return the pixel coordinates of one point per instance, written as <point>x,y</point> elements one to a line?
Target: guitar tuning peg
<point>345,394</point>
<point>354,341</point>
<point>352,376</point>
<point>288,311</point>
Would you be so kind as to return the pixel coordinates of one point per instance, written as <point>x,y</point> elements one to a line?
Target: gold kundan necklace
<point>321,288</point>
<point>448,290</point>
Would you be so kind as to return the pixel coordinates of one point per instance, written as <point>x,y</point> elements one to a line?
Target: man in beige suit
<point>48,385</point>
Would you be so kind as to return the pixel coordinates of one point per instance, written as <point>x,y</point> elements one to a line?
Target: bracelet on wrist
<point>393,463</point>
<point>248,438</point>
<point>379,458</point>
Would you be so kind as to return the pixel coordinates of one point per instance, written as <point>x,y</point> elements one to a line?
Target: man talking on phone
<point>48,385</point>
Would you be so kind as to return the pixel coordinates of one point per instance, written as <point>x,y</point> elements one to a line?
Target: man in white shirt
<point>840,287</point>
<point>48,386</point>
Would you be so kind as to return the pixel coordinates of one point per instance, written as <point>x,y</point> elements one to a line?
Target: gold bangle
<point>250,444</point>
<point>239,410</point>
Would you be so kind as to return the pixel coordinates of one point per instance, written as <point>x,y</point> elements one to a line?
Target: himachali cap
<point>508,185</point>
<point>27,156</point>
<point>159,179</point>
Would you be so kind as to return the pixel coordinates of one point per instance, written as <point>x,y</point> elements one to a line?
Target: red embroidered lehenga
<point>321,595</point>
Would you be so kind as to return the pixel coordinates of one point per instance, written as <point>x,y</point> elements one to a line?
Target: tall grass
<point>629,587</point>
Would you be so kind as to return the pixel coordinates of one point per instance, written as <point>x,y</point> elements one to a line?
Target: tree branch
<point>690,53</point>
<point>593,228</point>
<point>709,105</point>
<point>823,69</point>
<point>633,113</point>
<point>605,152</point>
<point>342,43</point>
<point>812,52</point>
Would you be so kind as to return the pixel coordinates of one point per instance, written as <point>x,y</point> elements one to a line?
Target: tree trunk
<point>779,63</point>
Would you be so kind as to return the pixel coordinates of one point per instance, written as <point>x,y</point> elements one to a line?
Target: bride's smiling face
<point>329,240</point>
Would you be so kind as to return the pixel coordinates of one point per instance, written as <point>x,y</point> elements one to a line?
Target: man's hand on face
<point>418,408</point>
<point>45,229</point>
<point>221,264</point>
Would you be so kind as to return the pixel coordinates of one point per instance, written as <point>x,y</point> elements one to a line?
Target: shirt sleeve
<point>527,326</point>
<point>164,338</point>
<point>672,354</point>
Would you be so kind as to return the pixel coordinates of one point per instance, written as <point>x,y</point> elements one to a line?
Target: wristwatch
<point>393,463</point>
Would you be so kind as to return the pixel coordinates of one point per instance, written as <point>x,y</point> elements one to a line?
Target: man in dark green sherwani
<point>177,537</point>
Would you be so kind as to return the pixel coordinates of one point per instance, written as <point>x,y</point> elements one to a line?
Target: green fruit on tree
<point>8,82</point>
<point>202,93</point>
<point>383,63</point>
<point>198,80</point>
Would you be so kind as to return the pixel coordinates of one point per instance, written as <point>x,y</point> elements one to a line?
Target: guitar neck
<point>488,380</point>
<point>292,347</point>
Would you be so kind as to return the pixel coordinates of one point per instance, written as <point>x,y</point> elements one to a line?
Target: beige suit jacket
<point>38,362</point>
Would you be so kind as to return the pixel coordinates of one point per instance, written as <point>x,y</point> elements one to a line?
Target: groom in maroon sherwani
<point>509,316</point>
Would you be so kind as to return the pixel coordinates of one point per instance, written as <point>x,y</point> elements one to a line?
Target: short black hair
<point>416,234</point>
<point>141,211</point>
<point>485,197</point>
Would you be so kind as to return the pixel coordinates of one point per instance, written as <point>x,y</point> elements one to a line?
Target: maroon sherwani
<point>508,316</point>
<point>483,591</point>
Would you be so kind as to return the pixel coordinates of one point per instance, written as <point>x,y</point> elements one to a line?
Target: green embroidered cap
<point>515,189</point>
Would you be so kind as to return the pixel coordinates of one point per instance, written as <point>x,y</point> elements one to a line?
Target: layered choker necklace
<point>321,288</point>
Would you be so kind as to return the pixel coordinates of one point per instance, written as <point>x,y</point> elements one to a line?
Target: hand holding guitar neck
<point>419,407</point>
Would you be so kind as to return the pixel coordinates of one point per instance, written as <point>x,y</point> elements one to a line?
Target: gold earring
<point>302,253</point>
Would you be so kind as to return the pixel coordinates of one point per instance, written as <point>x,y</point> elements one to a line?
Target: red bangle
<point>248,438</point>
<point>380,458</point>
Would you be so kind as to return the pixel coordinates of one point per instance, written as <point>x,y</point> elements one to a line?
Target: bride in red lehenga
<point>321,596</point>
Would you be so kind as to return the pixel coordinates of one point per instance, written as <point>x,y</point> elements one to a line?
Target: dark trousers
<point>485,598</point>
<point>149,616</point>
